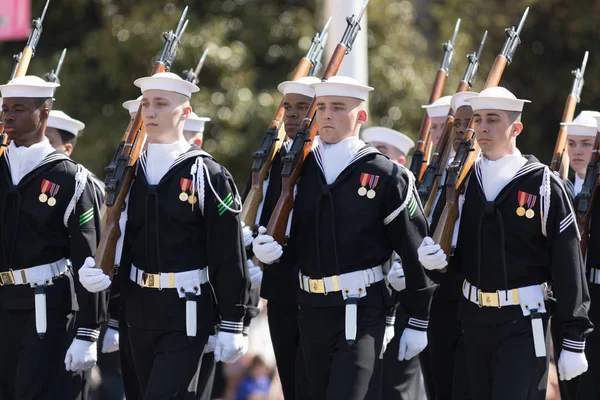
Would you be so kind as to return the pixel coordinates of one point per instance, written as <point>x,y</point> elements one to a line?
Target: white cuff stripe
<point>566,222</point>
<point>573,343</point>
<point>418,323</point>
<point>390,320</point>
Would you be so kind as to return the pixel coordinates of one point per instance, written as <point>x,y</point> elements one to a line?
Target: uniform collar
<point>577,185</point>
<point>22,160</point>
<point>334,158</point>
<point>495,175</point>
<point>160,157</point>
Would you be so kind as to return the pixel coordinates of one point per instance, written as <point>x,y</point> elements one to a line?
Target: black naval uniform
<point>33,233</point>
<point>498,250</point>
<point>336,231</point>
<point>280,287</point>
<point>163,235</point>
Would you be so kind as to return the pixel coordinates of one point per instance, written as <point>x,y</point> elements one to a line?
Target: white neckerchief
<point>161,157</point>
<point>578,185</point>
<point>335,157</point>
<point>496,174</point>
<point>23,159</point>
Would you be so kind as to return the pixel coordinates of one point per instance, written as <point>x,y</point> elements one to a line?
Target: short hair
<point>44,102</point>
<point>514,116</point>
<point>66,137</point>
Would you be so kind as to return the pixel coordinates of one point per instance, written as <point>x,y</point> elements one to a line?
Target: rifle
<point>572,99</point>
<point>16,61</point>
<point>263,157</point>
<point>467,151</point>
<point>421,155</point>
<point>191,75</point>
<point>585,200</point>
<point>22,61</point>
<point>439,159</point>
<point>119,173</point>
<point>294,159</point>
<point>52,76</point>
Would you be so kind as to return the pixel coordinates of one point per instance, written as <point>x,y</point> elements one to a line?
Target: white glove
<point>110,343</point>
<point>265,248</point>
<point>396,277</point>
<point>431,255</point>
<point>388,334</point>
<point>229,346</point>
<point>256,275</point>
<point>571,364</point>
<point>92,278</point>
<point>245,346</point>
<point>81,356</point>
<point>247,232</point>
<point>210,345</point>
<point>412,342</point>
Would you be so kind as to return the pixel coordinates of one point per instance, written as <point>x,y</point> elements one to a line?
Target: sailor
<point>49,214</point>
<point>437,112</point>
<point>182,227</point>
<point>581,137</point>
<point>517,234</point>
<point>352,209</point>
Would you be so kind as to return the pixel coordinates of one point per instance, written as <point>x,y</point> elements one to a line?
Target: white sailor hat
<point>194,123</point>
<point>438,108</point>
<point>300,86</point>
<point>459,99</point>
<point>585,124</point>
<point>29,86</point>
<point>60,120</point>
<point>132,105</point>
<point>497,98</point>
<point>343,86</point>
<point>390,137</point>
<point>167,81</point>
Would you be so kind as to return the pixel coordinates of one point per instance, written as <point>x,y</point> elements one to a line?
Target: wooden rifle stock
<point>279,219</point>
<point>255,194</point>
<point>561,140</point>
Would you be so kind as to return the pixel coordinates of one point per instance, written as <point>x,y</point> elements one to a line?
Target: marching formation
<point>457,272</point>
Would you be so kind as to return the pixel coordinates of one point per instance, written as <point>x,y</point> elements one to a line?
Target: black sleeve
<point>406,227</point>
<point>228,269</point>
<point>84,230</point>
<point>567,269</point>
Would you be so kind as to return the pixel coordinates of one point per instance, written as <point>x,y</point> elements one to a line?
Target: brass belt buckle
<point>150,280</point>
<point>7,278</point>
<point>316,285</point>
<point>491,299</point>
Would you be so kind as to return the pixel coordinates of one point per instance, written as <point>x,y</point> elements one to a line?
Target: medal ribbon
<point>522,196</point>
<point>54,189</point>
<point>373,181</point>
<point>185,184</point>
<point>45,185</point>
<point>364,179</point>
<point>531,201</point>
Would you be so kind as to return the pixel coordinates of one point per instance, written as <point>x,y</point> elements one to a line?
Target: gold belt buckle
<point>491,299</point>
<point>150,280</point>
<point>316,285</point>
<point>7,278</point>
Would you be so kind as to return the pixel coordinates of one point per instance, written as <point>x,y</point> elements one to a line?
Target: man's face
<point>436,129</point>
<point>462,117</point>
<point>23,119</point>
<point>391,152</point>
<point>496,134</point>
<point>56,141</point>
<point>339,117</point>
<point>580,151</point>
<point>163,111</point>
<point>295,105</point>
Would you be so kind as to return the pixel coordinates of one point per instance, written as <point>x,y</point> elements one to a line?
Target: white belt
<point>353,286</point>
<point>34,276</point>
<point>530,298</point>
<point>595,276</point>
<point>187,283</point>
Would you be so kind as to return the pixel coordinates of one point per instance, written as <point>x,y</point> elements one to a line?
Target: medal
<point>530,213</point>
<point>364,178</point>
<point>45,185</point>
<point>530,203</point>
<point>362,191</point>
<point>192,199</point>
<point>185,186</point>
<point>53,191</point>
<point>371,181</point>
<point>521,196</point>
<point>371,194</point>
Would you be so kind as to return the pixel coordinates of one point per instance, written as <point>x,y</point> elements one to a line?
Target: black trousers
<point>166,362</point>
<point>206,376</point>
<point>130,380</point>
<point>501,361</point>
<point>30,367</point>
<point>336,370</point>
<point>393,379</point>
<point>285,336</point>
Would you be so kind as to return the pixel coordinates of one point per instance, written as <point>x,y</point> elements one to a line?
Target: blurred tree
<point>255,44</point>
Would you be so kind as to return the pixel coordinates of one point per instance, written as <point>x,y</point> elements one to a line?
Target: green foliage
<point>255,44</point>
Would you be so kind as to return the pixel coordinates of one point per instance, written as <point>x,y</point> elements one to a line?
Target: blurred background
<point>256,44</point>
